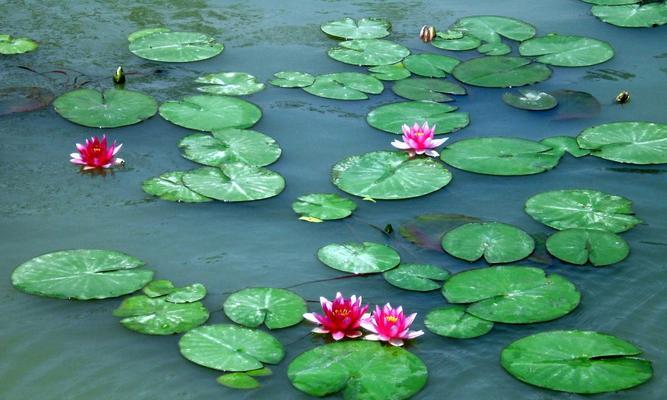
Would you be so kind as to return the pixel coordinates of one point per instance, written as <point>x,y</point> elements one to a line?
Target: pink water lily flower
<point>390,325</point>
<point>419,140</point>
<point>342,317</point>
<point>97,153</point>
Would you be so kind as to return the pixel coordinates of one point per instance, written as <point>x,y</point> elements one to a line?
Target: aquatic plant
<point>342,317</point>
<point>419,140</point>
<point>390,325</point>
<point>97,153</point>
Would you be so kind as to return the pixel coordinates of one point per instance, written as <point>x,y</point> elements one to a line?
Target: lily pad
<point>169,186</point>
<point>455,322</point>
<point>145,32</point>
<point>229,146</point>
<point>574,104</point>
<point>159,288</point>
<point>259,372</point>
<point>633,15</point>
<point>417,277</point>
<point>581,208</point>
<point>369,52</point>
<point>512,294</point>
<point>389,175</point>
<point>21,99</point>
<point>426,230</point>
<point>583,362</point>
<point>238,380</point>
<point>491,28</point>
<point>276,308</point>
<point>364,28</point>
<point>496,242</point>
<point>13,45</point>
<point>360,369</point>
<point>157,316</point>
<point>391,117</point>
<point>500,71</point>
<point>230,84</point>
<point>235,182</point>
<point>175,46</point>
<point>430,65</point>
<point>230,348</point>
<point>109,109</point>
<point>427,89</point>
<point>324,206</point>
<point>500,156</point>
<point>210,113</point>
<point>627,142</point>
<point>529,99</point>
<point>466,42</point>
<point>494,49</point>
<point>567,51</point>
<point>291,79</point>
<point>187,294</point>
<point>345,86</point>
<point>359,258</point>
<point>564,144</point>
<point>578,246</point>
<point>612,2</point>
<point>392,72</point>
<point>81,274</point>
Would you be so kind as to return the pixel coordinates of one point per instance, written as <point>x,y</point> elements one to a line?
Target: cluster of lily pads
<point>630,13</point>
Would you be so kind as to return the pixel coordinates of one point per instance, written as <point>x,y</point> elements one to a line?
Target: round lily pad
<point>359,258</point>
<point>490,28</point>
<point>500,71</point>
<point>430,65</point>
<point>238,380</point>
<point>209,113</point>
<point>564,144</point>
<point>627,142</point>
<point>496,242</point>
<point>81,274</point>
<point>576,361</point>
<point>369,52</point>
<point>364,28</point>
<point>529,99</point>
<point>391,117</point>
<point>360,369</point>
<point>291,79</point>
<point>235,182</point>
<point>392,72</point>
<point>175,46</point>
<point>500,156</point>
<point>567,51</point>
<point>169,186</point>
<point>417,277</point>
<point>276,308</point>
<point>229,146</point>
<point>494,49</point>
<point>324,206</point>
<point>230,348</point>
<point>581,208</point>
<point>187,294</point>
<point>455,322</point>
<point>109,109</point>
<point>578,246</point>
<point>345,86</point>
<point>466,42</point>
<point>633,15</point>
<point>389,175</point>
<point>13,45</point>
<point>427,89</point>
<point>230,84</point>
<point>158,288</point>
<point>145,32</point>
<point>157,316</point>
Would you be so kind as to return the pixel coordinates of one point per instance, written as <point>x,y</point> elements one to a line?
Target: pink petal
<point>116,149</point>
<point>354,334</point>
<point>396,342</point>
<point>75,161</point>
<point>311,317</point>
<point>400,145</point>
<point>438,142</point>
<point>338,335</point>
<point>414,334</point>
<point>118,161</point>
<point>406,129</point>
<point>319,329</point>
<point>368,326</point>
<point>372,337</point>
<point>410,319</point>
<point>431,153</point>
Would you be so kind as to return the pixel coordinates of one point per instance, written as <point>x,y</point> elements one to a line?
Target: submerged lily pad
<point>291,79</point>
<point>238,380</point>
<point>578,246</point>
<point>364,28</point>
<point>345,86</point>
<point>81,274</point>
<point>427,89</point>
<point>564,144</point>
<point>169,186</point>
<point>21,99</point>
<point>13,45</point>
<point>533,100</point>
<point>324,206</point>
<point>426,230</point>
<point>627,142</point>
<point>157,316</point>
<point>491,28</point>
<point>359,258</point>
<point>417,277</point>
<point>430,65</point>
<point>567,51</point>
<point>576,361</point>
<point>369,52</point>
<point>361,369</point>
<point>235,182</point>
<point>210,113</point>
<point>496,242</point>
<point>575,104</point>
<point>230,84</point>
<point>109,109</point>
<point>229,146</point>
<point>389,175</point>
<point>175,46</point>
<point>391,117</point>
<point>455,322</point>
<point>500,71</point>
<point>276,308</point>
<point>392,72</point>
<point>466,42</point>
<point>633,15</point>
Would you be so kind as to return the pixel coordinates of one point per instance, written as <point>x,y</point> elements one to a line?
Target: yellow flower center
<point>342,312</point>
<point>97,149</point>
<point>391,319</point>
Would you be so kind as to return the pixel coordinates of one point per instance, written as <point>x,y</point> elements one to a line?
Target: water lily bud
<point>119,76</point>
<point>427,33</point>
<point>623,97</point>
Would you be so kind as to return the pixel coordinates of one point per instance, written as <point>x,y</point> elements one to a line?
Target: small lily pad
<point>392,72</point>
<point>209,113</point>
<point>529,99</point>
<point>345,86</point>
<point>187,294</point>
<point>12,45</point>
<point>159,288</point>
<point>359,258</point>
<point>169,186</point>
<point>175,46</point>
<point>564,144</point>
<point>369,52</point>
<point>259,372</point>
<point>494,49</point>
<point>276,308</point>
<point>455,322</point>
<point>627,142</point>
<point>157,316</point>
<point>633,15</point>
<point>567,51</point>
<point>500,71</point>
<point>238,380</point>
<point>430,65</point>
<point>229,146</point>
<point>578,246</point>
<point>466,42</point>
<point>496,242</point>
<point>235,182</point>
<point>291,79</point>
<point>491,29</point>
<point>230,84</point>
<point>427,89</point>
<point>364,28</point>
<point>391,117</point>
<point>324,206</point>
<point>417,277</point>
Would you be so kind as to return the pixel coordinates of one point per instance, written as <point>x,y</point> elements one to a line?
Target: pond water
<point>54,349</point>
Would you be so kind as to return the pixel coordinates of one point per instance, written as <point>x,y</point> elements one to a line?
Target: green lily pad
<point>501,71</point>
<point>567,51</point>
<point>145,32</point>
<point>157,316</point>
<point>235,182</point>
<point>230,348</point>
<point>187,294</point>
<point>389,175</point>
<point>583,362</point>
<point>175,46</point>
<point>13,45</point>
<point>238,380</point>
<point>259,372</point>
<point>230,84</point>
<point>496,242</point>
<point>491,28</point>
<point>229,146</point>
<point>360,369</point>
<point>159,288</point>
<point>529,99</point>
<point>292,79</point>
<point>391,117</point>
<point>427,89</point>
<point>276,308</point>
<point>564,144</point>
<point>324,206</point>
<point>345,86</point>
<point>581,208</point>
<point>494,49</point>
<point>392,72</point>
<point>369,52</point>
<point>578,246</point>
<point>627,142</point>
<point>500,156</point>
<point>359,258</point>
<point>364,28</point>
<point>109,109</point>
<point>169,186</point>
<point>417,277</point>
<point>633,15</point>
<point>512,294</point>
<point>466,42</point>
<point>81,274</point>
<point>455,322</point>
<point>430,65</point>
<point>210,113</point>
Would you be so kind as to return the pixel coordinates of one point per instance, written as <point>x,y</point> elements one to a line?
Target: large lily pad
<point>491,28</point>
<point>455,322</point>
<point>175,46</point>
<point>627,142</point>
<point>391,117</point>
<point>345,86</point>
<point>361,369</point>
<point>81,274</point>
<point>581,208</point>
<point>528,99</point>
<point>324,206</point>
<point>229,146</point>
<point>430,65</point>
<point>359,258</point>
<point>567,51</point>
<point>465,42</point>
<point>230,348</point>
<point>109,109</point>
<point>13,45</point>
<point>169,186</point>
<point>633,15</point>
<point>496,242</point>
<point>578,246</point>
<point>364,28</point>
<point>292,79</point>
<point>235,182</point>
<point>369,52</point>
<point>576,361</point>
<point>501,71</point>
<point>157,316</point>
<point>392,72</point>
<point>209,113</point>
<point>427,89</point>
<point>417,277</point>
<point>276,308</point>
<point>389,175</point>
<point>230,84</point>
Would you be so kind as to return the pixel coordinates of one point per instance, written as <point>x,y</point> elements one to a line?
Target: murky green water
<point>53,349</point>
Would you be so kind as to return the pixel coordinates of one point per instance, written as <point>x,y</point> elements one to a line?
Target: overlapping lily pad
<point>108,109</point>
<point>159,287</point>
<point>633,15</point>
<point>345,86</point>
<point>369,52</point>
<point>501,71</point>
<point>234,182</point>
<point>229,146</point>
<point>276,308</point>
<point>359,258</point>
<point>158,316</point>
<point>417,277</point>
<point>391,117</point>
<point>612,2</point>
<point>564,144</point>
<point>364,28</point>
<point>579,246</point>
<point>324,206</point>
<point>496,242</point>
<point>292,79</point>
<point>430,65</point>
<point>534,100</point>
<point>567,51</point>
<point>455,322</point>
<point>238,380</point>
<point>426,231</point>
<point>210,113</point>
<point>167,46</point>
<point>465,42</point>
<point>494,49</point>
<point>187,294</point>
<point>627,142</point>
<point>392,72</point>
<point>491,28</point>
<point>169,186</point>
<point>230,84</point>
<point>12,45</point>
<point>427,89</point>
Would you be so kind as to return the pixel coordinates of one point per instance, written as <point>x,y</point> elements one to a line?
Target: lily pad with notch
<point>345,86</point>
<point>501,71</point>
<point>633,15</point>
<point>427,89</point>
<point>169,186</point>
<point>229,146</point>
<point>566,50</point>
<point>430,65</point>
<point>364,28</point>
<point>276,308</point>
<point>579,246</point>
<point>565,144</point>
<point>492,29</point>
<point>292,79</point>
<point>417,277</point>
<point>234,182</point>
<point>158,316</point>
<point>369,52</point>
<point>359,258</point>
<point>168,46</point>
<point>627,142</point>
<point>496,242</point>
<point>455,322</point>
<point>391,117</point>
